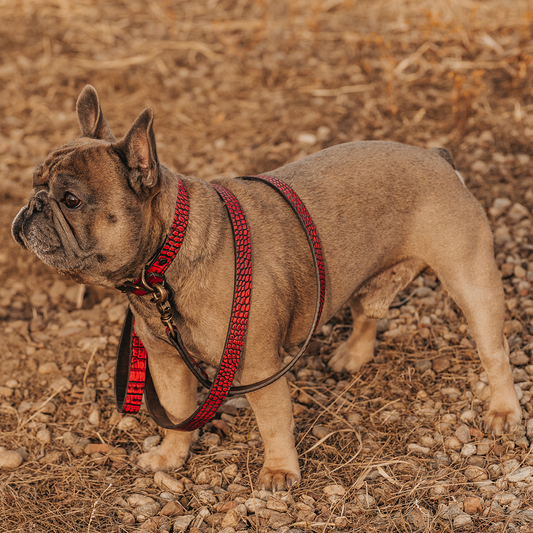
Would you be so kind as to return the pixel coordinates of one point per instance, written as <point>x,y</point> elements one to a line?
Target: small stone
<point>115,418</point>
<point>484,446</point>
<point>6,392</point>
<point>517,213</point>
<point>438,491</point>
<point>520,475</point>
<point>128,423</point>
<point>463,434</point>
<point>307,138</point>
<point>462,520</point>
<point>519,358</point>
<point>321,431</point>
<point>60,383</point>
<point>43,437</point>
<point>48,368</point>
<point>510,466</point>
<point>235,488</point>
<point>366,500</point>
<point>228,506</point>
<point>97,448</point>
<point>94,415</point>
<point>206,497</point>
<point>253,504</point>
<point>90,344</point>
<point>499,207</point>
<point>143,482</point>
<point>277,505</point>
<point>49,458</point>
<point>441,364</point>
<point>230,471</point>
<point>146,510</point>
<point>231,519</point>
<point>9,460</point>
<point>354,418</point>
<point>125,517</point>
<point>304,398</point>
<point>417,450</point>
<point>210,439</point>
<point>452,443</point>
<point>475,473</point>
<point>334,490</point>
<point>468,416</point>
<point>150,442</point>
<point>135,500</point>
<point>164,481</point>
<point>473,505</point>
<point>172,509</point>
<point>468,449</point>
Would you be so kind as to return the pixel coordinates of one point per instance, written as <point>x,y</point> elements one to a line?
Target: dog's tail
<point>445,154</point>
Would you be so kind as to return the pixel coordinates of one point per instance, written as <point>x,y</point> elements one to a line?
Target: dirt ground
<point>241,87</point>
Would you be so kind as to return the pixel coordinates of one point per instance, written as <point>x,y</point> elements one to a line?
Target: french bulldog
<point>100,209</point>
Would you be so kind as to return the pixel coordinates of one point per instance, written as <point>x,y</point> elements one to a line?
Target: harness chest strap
<point>133,371</point>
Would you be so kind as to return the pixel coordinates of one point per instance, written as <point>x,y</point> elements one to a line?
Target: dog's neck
<point>205,231</point>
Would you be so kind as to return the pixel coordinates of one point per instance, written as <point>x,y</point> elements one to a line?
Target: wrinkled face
<point>91,198</point>
<point>82,217</point>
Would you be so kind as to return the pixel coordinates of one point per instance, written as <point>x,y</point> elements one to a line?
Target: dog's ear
<point>139,152</point>
<point>90,117</point>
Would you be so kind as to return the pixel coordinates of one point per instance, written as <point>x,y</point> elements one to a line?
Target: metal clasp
<point>160,298</point>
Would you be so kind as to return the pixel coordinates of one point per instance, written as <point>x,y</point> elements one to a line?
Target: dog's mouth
<point>41,227</point>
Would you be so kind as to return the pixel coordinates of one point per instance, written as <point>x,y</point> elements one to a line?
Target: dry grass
<point>234,85</point>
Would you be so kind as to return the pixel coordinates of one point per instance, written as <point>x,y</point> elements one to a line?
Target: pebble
<point>334,490</point>
<point>473,505</point>
<point>164,481</point>
<point>463,433</point>
<point>366,500</point>
<point>151,442</point>
<point>43,437</point>
<point>97,448</point>
<point>9,460</point>
<point>475,473</point>
<point>320,431</point>
<point>231,519</point>
<point>128,423</point>
<point>452,443</point>
<point>468,449</point>
<point>171,509</point>
<point>135,500</point>
<point>517,213</point>
<point>60,383</point>
<point>253,504</point>
<point>441,364</point>
<point>90,344</point>
<point>48,368</point>
<point>182,522</point>
<point>277,505</point>
<point>520,475</point>
<point>146,510</point>
<point>417,449</point>
<point>462,520</point>
<point>499,206</point>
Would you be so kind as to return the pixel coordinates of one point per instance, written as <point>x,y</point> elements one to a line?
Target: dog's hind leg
<point>358,349</point>
<point>467,270</point>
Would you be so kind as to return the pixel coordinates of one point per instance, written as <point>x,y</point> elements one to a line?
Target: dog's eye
<point>71,201</point>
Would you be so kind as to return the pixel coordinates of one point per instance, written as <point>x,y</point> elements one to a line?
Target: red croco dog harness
<point>132,375</point>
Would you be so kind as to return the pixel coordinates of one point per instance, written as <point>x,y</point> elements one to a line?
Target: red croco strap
<point>130,374</point>
<point>155,272</point>
<point>236,332</point>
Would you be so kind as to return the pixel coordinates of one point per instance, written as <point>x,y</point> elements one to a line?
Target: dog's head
<point>91,209</point>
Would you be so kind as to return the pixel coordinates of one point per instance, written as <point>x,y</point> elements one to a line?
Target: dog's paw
<point>277,479</point>
<point>156,461</point>
<point>500,419</point>
<point>350,358</point>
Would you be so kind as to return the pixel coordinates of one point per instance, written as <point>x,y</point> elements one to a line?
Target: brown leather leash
<point>132,374</point>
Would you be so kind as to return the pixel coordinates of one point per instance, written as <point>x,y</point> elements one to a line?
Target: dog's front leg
<point>273,410</point>
<point>176,389</point>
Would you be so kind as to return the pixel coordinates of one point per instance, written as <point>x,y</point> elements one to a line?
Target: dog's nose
<point>39,203</point>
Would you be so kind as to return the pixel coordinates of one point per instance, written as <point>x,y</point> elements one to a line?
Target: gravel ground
<point>242,87</point>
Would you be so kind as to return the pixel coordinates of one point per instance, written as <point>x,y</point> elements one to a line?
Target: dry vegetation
<point>243,87</point>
